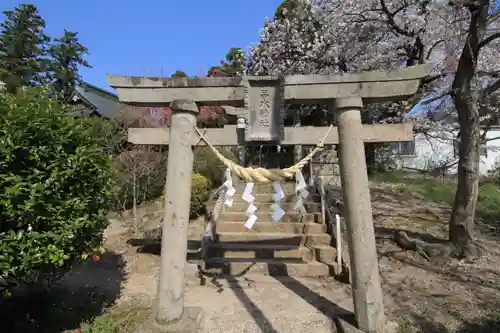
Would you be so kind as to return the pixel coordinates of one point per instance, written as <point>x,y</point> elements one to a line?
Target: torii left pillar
<point>170,314</point>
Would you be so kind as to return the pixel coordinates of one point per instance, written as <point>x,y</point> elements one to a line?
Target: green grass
<point>442,190</point>
<point>125,318</point>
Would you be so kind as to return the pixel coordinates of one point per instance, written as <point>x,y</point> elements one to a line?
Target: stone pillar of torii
<point>264,98</point>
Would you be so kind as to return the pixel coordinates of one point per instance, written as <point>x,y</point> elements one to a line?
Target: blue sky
<point>131,37</point>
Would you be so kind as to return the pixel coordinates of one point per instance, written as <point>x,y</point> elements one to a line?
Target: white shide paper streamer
<point>301,192</point>
<point>250,211</point>
<point>278,212</point>
<point>230,190</point>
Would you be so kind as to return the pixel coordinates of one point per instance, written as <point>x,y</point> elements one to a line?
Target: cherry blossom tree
<point>460,38</point>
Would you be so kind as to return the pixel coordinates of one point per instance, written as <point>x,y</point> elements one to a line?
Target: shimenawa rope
<point>262,175</point>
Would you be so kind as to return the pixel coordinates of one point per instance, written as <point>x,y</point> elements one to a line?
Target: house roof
<point>100,101</point>
<point>102,91</point>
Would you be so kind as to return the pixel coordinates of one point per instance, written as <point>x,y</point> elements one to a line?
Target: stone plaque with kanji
<point>264,100</point>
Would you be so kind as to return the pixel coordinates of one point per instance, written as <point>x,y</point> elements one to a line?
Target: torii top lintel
<point>373,86</point>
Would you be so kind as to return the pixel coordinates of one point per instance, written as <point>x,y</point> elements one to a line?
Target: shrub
<point>386,160</point>
<point>150,168</point>
<point>200,192</point>
<point>111,133</point>
<point>208,165</point>
<point>494,173</point>
<point>55,181</point>
<point>145,167</point>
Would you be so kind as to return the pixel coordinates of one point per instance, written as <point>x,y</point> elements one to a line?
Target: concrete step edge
<point>270,267</point>
<point>267,216</point>
<point>304,253</point>
<point>263,234</point>
<point>267,213</point>
<point>274,237</point>
<point>277,247</point>
<point>229,260</point>
<point>267,203</point>
<point>306,223</point>
<point>271,227</point>
<point>284,234</point>
<point>249,246</point>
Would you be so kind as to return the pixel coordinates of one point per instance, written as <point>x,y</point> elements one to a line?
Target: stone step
<point>320,253</point>
<point>325,254</point>
<point>274,238</point>
<point>288,187</point>
<point>267,217</point>
<point>266,207</point>
<point>290,227</point>
<point>268,197</point>
<point>275,267</point>
<point>250,246</point>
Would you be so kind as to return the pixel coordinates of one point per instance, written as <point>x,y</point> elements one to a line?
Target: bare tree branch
<point>492,88</point>
<point>489,39</point>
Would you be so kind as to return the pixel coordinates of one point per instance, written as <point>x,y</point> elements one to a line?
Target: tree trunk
<point>370,158</point>
<point>464,206</point>
<point>134,199</point>
<point>466,103</point>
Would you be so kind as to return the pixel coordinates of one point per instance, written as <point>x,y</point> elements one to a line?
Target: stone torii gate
<point>264,98</point>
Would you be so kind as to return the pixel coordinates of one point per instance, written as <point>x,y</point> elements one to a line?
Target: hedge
<point>55,181</point>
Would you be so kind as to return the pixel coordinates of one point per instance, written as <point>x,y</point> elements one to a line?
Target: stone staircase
<point>297,245</point>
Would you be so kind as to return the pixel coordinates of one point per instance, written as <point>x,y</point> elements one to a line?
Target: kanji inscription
<point>264,100</point>
<point>264,108</point>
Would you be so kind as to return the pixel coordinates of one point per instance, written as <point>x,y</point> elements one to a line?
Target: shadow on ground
<point>260,318</point>
<point>337,314</point>
<point>340,317</point>
<point>80,297</point>
<point>148,246</point>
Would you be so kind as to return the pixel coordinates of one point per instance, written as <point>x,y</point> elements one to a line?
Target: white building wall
<point>434,150</point>
<point>493,149</point>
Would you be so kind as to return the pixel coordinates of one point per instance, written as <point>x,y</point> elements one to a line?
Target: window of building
<point>404,148</point>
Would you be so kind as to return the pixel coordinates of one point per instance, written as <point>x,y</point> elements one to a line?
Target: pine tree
<point>23,48</point>
<point>233,65</point>
<point>235,62</point>
<point>67,55</point>
<point>179,74</point>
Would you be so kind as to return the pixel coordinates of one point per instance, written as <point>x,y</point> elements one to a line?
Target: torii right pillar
<point>367,291</point>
